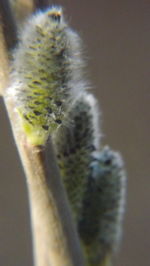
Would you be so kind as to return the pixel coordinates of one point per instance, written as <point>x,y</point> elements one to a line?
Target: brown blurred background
<point>116,38</point>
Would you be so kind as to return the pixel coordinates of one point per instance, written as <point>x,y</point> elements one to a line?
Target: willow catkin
<point>46,74</point>
<point>103,207</point>
<point>48,89</point>
<point>94,180</point>
<point>74,146</point>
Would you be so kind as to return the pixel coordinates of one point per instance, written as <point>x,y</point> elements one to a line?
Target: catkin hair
<point>49,90</point>
<point>74,145</point>
<point>46,73</point>
<point>103,207</point>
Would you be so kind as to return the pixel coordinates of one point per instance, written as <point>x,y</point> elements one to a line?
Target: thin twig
<point>21,9</point>
<point>8,24</point>
<point>3,64</point>
<point>54,237</point>
<point>7,41</point>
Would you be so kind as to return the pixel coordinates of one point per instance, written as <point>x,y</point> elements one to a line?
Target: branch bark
<point>8,25</point>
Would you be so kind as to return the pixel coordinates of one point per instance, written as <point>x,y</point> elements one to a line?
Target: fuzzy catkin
<point>74,145</point>
<point>50,96</point>
<point>103,207</point>
<point>46,74</point>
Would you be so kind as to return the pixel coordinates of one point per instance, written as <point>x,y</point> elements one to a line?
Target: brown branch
<point>3,64</point>
<point>21,9</point>
<point>54,237</point>
<point>8,24</point>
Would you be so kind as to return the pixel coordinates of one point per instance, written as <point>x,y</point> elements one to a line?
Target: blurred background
<point>116,43</point>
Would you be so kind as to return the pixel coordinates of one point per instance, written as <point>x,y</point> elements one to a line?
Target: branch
<point>3,63</point>
<point>8,25</point>
<point>7,41</point>
<point>54,236</point>
<point>21,9</point>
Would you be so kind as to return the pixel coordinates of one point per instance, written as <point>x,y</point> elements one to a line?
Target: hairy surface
<point>103,207</point>
<point>74,145</point>
<point>51,99</point>
<point>94,180</point>
<point>47,70</point>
